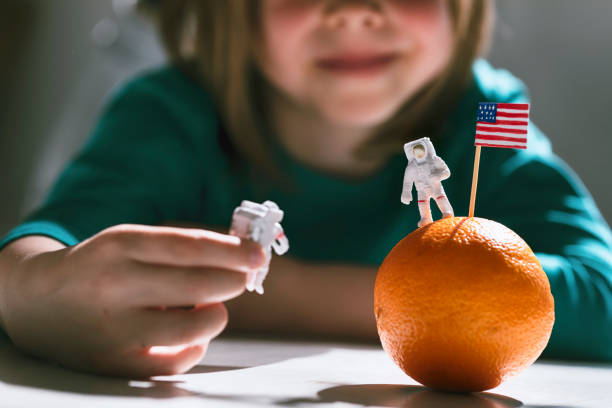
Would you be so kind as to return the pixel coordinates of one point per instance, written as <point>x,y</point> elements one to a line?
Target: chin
<point>358,112</point>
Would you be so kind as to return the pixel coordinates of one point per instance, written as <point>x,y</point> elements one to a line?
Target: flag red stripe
<point>505,138</point>
<point>523,106</point>
<point>512,115</point>
<point>505,146</point>
<point>501,130</point>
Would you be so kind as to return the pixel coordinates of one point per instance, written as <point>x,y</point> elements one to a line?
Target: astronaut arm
<point>280,243</point>
<point>409,175</point>
<point>441,170</point>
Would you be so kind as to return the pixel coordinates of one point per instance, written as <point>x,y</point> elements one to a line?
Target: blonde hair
<point>211,40</point>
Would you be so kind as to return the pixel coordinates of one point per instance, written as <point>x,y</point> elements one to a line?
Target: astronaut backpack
<point>244,218</point>
<point>260,223</point>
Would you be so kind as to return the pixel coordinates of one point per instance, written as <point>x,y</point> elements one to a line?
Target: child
<point>307,104</point>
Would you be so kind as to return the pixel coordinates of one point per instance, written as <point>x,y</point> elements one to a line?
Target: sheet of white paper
<point>252,373</point>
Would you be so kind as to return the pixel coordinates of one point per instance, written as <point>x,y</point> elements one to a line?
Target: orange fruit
<point>463,303</point>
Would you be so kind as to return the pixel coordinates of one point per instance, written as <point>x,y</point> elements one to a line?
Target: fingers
<point>175,327</point>
<point>171,363</point>
<point>143,364</point>
<point>148,285</point>
<point>187,247</point>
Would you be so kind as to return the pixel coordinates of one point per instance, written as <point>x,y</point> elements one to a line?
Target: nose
<point>354,14</point>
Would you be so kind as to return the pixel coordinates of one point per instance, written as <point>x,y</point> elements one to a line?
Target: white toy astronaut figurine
<point>426,171</point>
<point>260,223</point>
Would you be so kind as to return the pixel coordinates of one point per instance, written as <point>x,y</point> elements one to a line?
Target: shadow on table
<point>407,396</point>
<point>410,396</point>
<point>19,369</point>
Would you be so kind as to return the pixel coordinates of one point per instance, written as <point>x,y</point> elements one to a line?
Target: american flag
<point>502,125</point>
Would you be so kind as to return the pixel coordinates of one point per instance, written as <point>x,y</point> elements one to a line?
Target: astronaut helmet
<point>274,213</point>
<point>413,150</point>
<point>418,150</point>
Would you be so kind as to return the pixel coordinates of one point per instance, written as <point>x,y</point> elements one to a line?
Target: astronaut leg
<point>424,210</point>
<point>250,286</point>
<point>262,273</point>
<point>443,204</point>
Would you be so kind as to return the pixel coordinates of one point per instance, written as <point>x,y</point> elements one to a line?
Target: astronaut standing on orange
<point>426,171</point>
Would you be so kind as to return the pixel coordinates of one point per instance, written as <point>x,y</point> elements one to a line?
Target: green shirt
<point>158,154</point>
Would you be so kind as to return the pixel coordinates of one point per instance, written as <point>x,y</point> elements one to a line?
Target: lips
<point>356,64</point>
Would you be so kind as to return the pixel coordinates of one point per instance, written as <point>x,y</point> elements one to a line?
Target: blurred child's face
<point>354,61</point>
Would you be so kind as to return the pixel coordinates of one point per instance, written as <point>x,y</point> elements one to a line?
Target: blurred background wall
<point>59,59</point>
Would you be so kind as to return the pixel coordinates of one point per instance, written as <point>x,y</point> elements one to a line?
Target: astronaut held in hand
<point>426,171</point>
<point>260,223</point>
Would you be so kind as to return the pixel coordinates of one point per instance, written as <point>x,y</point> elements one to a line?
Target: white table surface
<point>238,373</point>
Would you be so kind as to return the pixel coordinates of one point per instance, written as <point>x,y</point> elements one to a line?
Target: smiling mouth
<point>357,65</point>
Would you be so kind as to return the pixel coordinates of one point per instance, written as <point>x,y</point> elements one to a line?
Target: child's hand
<point>99,306</point>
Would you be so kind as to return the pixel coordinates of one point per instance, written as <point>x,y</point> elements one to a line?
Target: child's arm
<point>322,300</point>
<point>538,196</point>
<point>146,162</point>
<point>101,305</point>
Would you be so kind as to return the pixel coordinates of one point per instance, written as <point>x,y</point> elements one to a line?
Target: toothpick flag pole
<point>498,125</point>
<point>474,181</point>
